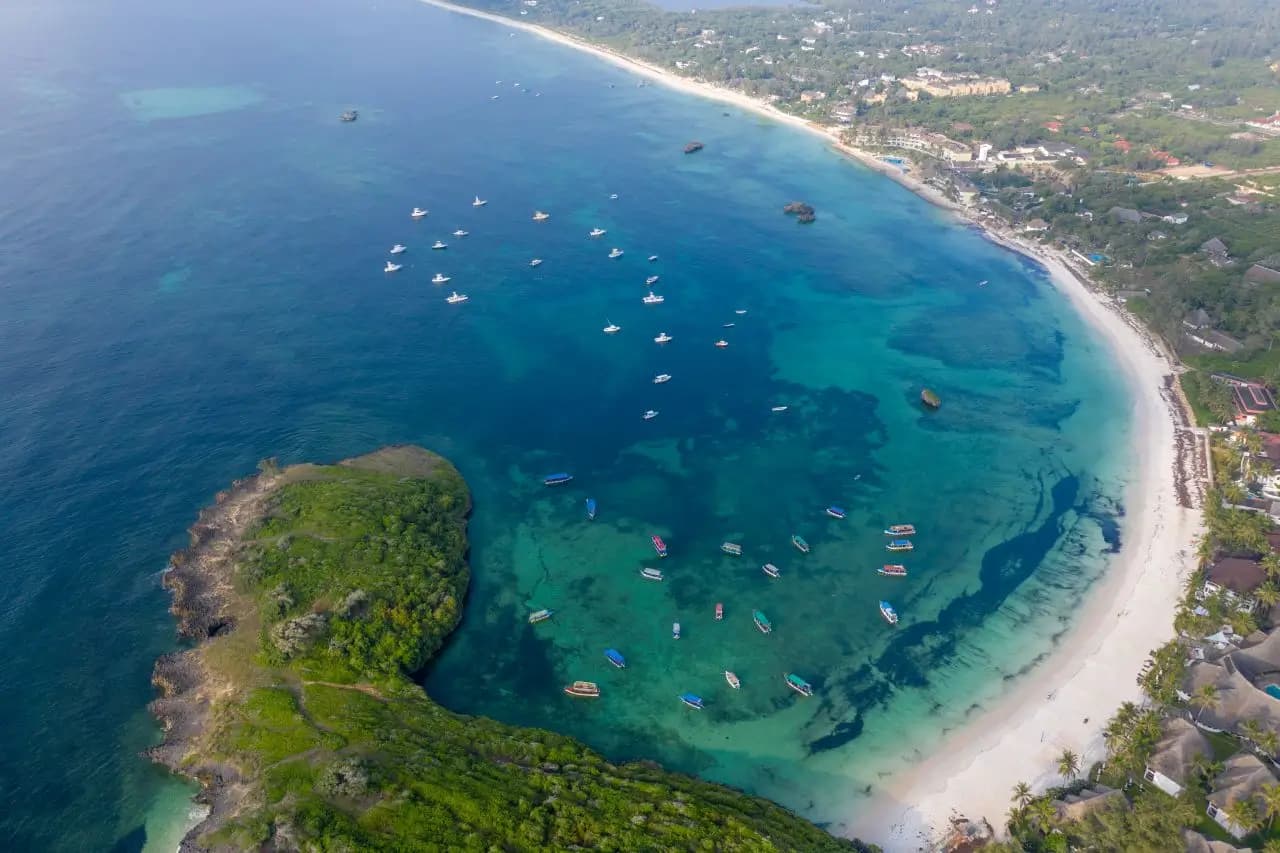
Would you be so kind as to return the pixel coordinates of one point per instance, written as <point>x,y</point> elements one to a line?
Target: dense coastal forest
<point>317,593</point>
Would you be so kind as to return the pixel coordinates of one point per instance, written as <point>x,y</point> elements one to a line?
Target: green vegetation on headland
<point>316,592</point>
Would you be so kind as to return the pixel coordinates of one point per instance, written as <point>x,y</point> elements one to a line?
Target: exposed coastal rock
<point>693,147</point>
<point>802,212</point>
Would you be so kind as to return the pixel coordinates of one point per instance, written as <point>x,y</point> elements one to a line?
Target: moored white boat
<point>662,338</point>
<point>661,378</point>
<point>398,249</point>
<point>439,244</point>
<point>539,216</point>
<point>597,232</point>
<point>612,329</point>
<point>732,679</point>
<point>439,278</point>
<point>418,213</point>
<point>721,344</point>
<point>653,299</point>
<point>651,280</point>
<point>890,615</point>
<point>650,414</point>
<point>615,252</point>
<point>461,233</point>
<point>455,298</point>
<point>479,202</point>
<point>771,570</point>
<point>390,267</point>
<point>651,574</point>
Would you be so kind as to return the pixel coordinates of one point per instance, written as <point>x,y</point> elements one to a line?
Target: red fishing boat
<point>659,545</point>
<point>719,611</point>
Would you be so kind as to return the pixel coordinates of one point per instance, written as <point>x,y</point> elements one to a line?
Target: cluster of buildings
<point>981,155</point>
<point>941,84</point>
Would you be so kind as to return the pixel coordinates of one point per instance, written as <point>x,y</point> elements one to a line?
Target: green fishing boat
<point>762,622</point>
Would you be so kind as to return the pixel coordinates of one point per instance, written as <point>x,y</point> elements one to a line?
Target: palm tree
<point>1271,564</point>
<point>1206,696</point>
<point>1251,730</point>
<point>1043,814</point>
<point>1270,797</point>
<point>1272,846</point>
<point>1268,594</point>
<point>1022,794</point>
<point>1069,765</point>
<point>1244,813</point>
<point>1269,742</point>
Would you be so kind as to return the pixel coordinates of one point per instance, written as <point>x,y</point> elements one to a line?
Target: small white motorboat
<point>662,338</point>
<point>732,679</point>
<point>740,311</point>
<point>651,574</point>
<point>460,233</point>
<point>650,414</point>
<point>439,245</point>
<point>729,325</point>
<point>612,329</point>
<point>539,216</point>
<point>661,378</point>
<point>440,278</point>
<point>398,249</point>
<point>613,196</point>
<point>597,232</point>
<point>778,409</point>
<point>653,299</point>
<point>722,344</point>
<point>651,280</point>
<point>771,570</point>
<point>652,258</point>
<point>418,213</point>
<point>455,298</point>
<point>390,267</point>
<point>493,98</point>
<point>615,253</point>
<point>479,202</point>
<point>536,262</point>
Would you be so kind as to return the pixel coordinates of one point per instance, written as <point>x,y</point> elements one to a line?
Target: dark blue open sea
<point>191,254</point>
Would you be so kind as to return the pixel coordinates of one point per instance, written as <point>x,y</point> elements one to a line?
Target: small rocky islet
<point>313,594</point>
<point>803,212</point>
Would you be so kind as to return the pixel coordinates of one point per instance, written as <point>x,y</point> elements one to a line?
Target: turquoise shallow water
<point>191,281</point>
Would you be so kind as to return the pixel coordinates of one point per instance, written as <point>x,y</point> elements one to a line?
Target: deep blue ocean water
<point>191,249</point>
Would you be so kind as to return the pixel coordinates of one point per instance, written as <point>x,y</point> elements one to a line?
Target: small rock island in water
<point>349,115</point>
<point>313,594</point>
<point>802,212</point>
<point>693,147</point>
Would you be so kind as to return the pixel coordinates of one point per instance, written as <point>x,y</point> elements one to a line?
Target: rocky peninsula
<point>312,595</point>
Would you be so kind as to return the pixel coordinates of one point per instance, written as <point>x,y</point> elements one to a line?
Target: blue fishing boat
<point>800,544</point>
<point>899,545</point>
<point>591,509</point>
<point>692,700</point>
<point>835,512</point>
<point>540,616</point>
<point>556,479</point>
<point>615,657</point>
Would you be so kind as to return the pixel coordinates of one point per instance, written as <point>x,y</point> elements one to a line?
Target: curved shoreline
<point>1125,616</point>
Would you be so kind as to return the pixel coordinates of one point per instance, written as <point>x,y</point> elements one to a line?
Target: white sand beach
<point>1066,700</point>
